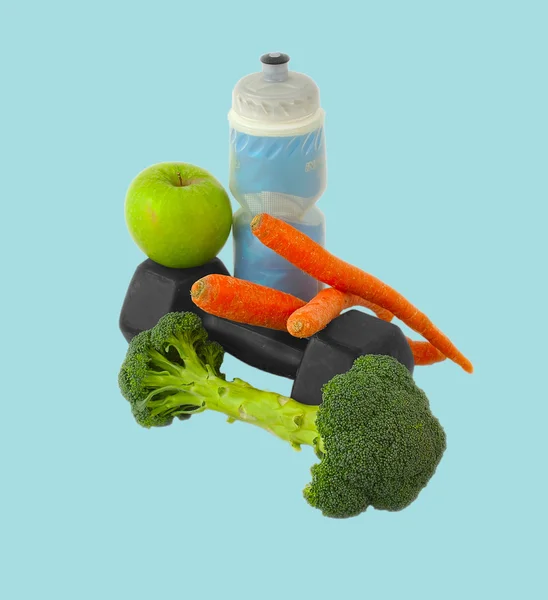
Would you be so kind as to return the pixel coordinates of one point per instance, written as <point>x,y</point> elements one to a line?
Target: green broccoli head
<point>381,442</point>
<point>164,366</point>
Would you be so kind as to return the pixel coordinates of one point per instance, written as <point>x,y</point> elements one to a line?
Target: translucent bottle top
<point>275,99</point>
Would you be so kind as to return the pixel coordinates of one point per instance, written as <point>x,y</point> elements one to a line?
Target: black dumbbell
<point>155,290</point>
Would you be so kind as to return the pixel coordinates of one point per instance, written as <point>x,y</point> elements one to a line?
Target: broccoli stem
<point>197,390</point>
<point>193,387</point>
<point>282,416</point>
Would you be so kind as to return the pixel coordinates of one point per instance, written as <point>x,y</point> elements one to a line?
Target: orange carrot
<point>382,313</point>
<point>325,307</point>
<point>247,302</point>
<point>313,259</point>
<point>244,301</point>
<point>424,353</point>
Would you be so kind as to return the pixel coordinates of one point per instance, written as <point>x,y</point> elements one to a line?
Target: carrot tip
<point>197,288</point>
<point>256,222</point>
<point>296,326</point>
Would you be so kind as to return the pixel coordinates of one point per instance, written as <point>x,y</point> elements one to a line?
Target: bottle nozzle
<point>275,66</point>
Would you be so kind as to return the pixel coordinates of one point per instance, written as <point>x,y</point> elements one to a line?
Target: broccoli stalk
<point>192,389</point>
<point>282,416</point>
<point>173,371</point>
<point>377,440</point>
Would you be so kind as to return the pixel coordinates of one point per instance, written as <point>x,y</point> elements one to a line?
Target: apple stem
<point>180,179</point>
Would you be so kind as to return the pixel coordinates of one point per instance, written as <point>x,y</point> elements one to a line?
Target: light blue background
<point>437,157</point>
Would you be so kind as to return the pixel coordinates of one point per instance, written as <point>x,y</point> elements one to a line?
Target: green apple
<point>178,214</point>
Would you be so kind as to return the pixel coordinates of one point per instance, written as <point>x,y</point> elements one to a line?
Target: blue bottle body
<point>255,262</point>
<point>283,176</point>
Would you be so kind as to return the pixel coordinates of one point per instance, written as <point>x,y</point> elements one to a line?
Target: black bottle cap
<point>274,58</point>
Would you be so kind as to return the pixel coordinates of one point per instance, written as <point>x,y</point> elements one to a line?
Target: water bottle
<point>277,166</point>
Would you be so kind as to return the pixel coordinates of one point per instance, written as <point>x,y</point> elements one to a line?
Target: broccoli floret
<point>163,365</point>
<point>377,440</point>
<point>382,443</point>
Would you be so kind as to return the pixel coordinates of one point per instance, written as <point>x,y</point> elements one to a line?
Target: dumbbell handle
<point>155,290</point>
<point>276,352</point>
